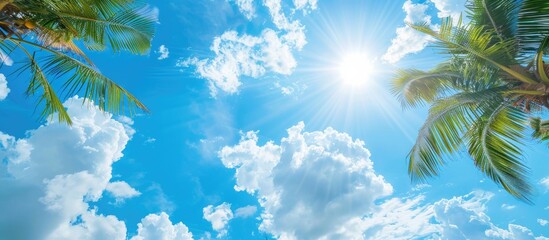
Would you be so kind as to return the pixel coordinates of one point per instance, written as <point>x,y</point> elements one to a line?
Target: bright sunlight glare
<point>355,68</point>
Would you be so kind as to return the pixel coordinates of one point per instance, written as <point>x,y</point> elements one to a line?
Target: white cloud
<point>308,184</point>
<point>125,120</point>
<point>276,54</point>
<point>508,207</point>
<point>47,191</point>
<point>285,90</point>
<point>245,212</point>
<point>394,219</point>
<point>246,7</point>
<point>305,4</point>
<point>464,217</point>
<point>449,8</point>
<point>159,227</point>
<point>235,56</point>
<point>420,187</point>
<point>544,182</point>
<point>415,12</point>
<point>242,55</point>
<point>4,90</point>
<point>409,40</point>
<point>542,222</point>
<point>5,59</point>
<point>121,191</point>
<point>219,217</point>
<point>322,185</point>
<point>163,51</point>
<point>93,226</point>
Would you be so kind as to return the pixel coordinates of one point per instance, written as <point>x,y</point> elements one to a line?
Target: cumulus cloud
<point>408,40</point>
<point>219,217</point>
<point>245,212</point>
<point>163,52</point>
<point>159,226</point>
<point>242,55</point>
<point>47,189</point>
<point>542,222</point>
<point>449,8</point>
<point>47,192</point>
<point>246,7</point>
<point>305,4</point>
<point>4,90</point>
<point>310,185</point>
<point>322,185</point>
<point>121,191</point>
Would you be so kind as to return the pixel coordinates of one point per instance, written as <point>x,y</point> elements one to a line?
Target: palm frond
<point>475,42</point>
<point>108,95</point>
<point>442,133</point>
<point>128,29</point>
<point>54,29</point>
<point>497,16</point>
<point>120,25</point>
<point>414,87</point>
<point>541,128</point>
<point>494,144</point>
<point>39,81</point>
<point>532,25</point>
<point>540,65</point>
<point>78,76</point>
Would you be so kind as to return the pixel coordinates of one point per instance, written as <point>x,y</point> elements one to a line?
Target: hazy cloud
<point>163,52</point>
<point>245,212</point>
<point>219,217</point>
<point>4,90</point>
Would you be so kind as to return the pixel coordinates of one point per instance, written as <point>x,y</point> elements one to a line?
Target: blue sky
<point>255,132</point>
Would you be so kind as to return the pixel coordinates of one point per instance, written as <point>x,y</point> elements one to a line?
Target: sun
<point>355,69</point>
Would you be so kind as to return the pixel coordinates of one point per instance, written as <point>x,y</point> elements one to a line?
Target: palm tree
<point>50,34</point>
<point>483,96</point>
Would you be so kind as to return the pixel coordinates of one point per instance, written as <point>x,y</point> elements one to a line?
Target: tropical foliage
<point>483,98</point>
<point>51,33</point>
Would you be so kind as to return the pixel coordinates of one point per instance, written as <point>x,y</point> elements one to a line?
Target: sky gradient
<point>259,129</point>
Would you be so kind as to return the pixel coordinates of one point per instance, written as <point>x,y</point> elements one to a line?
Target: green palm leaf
<point>541,128</point>
<point>532,25</point>
<point>498,77</point>
<point>442,133</point>
<point>414,87</point>
<point>49,33</point>
<point>474,41</point>
<point>494,144</point>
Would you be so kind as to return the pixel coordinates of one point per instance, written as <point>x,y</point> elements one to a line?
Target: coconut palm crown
<point>51,33</point>
<point>485,95</point>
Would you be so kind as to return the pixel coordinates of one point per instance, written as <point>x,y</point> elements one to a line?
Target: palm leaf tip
<point>494,144</point>
<point>540,129</point>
